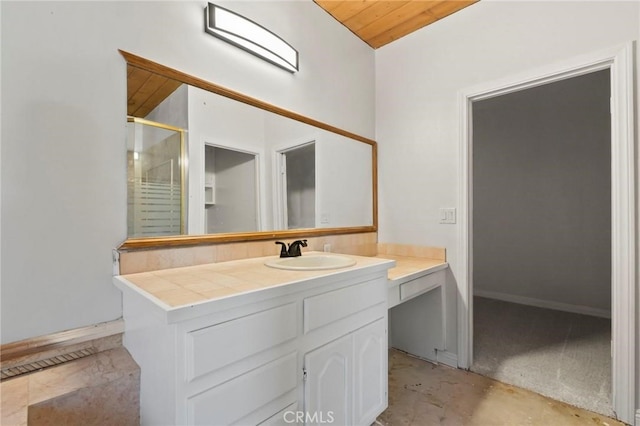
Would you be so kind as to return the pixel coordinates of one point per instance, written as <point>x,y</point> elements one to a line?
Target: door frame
<point>279,180</point>
<point>619,60</point>
<point>260,220</point>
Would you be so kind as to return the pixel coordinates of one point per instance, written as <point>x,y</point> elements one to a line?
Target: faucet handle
<point>294,248</point>
<point>303,243</point>
<point>283,250</point>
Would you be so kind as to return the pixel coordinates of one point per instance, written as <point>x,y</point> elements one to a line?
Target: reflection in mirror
<point>237,168</point>
<point>155,178</point>
<point>327,184</point>
<point>230,191</point>
<point>297,167</point>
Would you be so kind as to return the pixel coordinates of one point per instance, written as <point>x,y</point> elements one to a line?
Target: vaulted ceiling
<point>379,22</point>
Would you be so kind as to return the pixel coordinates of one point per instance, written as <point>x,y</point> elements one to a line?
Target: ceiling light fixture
<point>249,36</point>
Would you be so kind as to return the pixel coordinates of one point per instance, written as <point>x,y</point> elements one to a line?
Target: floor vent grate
<point>8,373</point>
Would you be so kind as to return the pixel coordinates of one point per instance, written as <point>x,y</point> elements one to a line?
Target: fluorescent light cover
<point>247,35</point>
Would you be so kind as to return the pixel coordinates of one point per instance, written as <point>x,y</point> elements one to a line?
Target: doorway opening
<point>542,239</point>
<point>230,190</point>
<point>619,62</point>
<point>297,186</point>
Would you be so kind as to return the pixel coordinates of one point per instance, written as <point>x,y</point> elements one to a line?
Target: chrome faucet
<point>294,248</point>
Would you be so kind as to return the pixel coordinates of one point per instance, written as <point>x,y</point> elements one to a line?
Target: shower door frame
<point>182,164</point>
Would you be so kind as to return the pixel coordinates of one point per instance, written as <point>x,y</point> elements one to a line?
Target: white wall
<point>542,195</point>
<point>343,178</point>
<point>343,182</point>
<point>173,110</point>
<point>222,122</point>
<point>63,134</point>
<point>343,172</point>
<point>418,79</point>
<point>282,134</point>
<point>235,208</point>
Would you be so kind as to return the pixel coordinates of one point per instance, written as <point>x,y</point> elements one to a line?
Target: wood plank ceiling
<point>146,90</point>
<point>379,22</point>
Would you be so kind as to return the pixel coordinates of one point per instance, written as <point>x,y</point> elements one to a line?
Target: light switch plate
<point>448,215</point>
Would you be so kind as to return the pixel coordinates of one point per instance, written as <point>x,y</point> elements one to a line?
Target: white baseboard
<point>447,358</point>
<point>540,303</point>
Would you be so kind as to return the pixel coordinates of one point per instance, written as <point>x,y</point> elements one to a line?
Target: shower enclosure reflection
<point>155,179</point>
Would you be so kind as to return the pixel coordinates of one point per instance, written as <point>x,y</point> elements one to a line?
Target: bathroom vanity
<point>242,343</point>
<point>237,341</point>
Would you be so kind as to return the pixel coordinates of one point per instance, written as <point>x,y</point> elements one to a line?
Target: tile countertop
<point>176,288</point>
<point>191,285</point>
<point>408,268</point>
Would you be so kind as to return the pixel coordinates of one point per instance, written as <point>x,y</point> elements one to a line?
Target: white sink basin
<point>312,262</point>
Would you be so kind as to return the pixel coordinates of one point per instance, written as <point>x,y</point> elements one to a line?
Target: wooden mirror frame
<point>188,240</point>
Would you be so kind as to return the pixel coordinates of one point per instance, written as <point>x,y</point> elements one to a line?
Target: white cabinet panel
<point>347,378</point>
<point>393,296</point>
<point>238,338</point>
<point>283,417</point>
<point>334,305</point>
<point>235,400</point>
<point>416,325</point>
<point>370,372</point>
<point>327,391</point>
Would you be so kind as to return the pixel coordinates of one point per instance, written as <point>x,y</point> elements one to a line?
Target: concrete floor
<point>424,394</point>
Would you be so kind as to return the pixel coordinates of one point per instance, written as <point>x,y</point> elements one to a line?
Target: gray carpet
<point>561,355</point>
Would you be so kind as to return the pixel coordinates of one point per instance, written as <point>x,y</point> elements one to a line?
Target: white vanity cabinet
<point>346,379</point>
<point>239,370</point>
<point>300,353</point>
<point>417,321</point>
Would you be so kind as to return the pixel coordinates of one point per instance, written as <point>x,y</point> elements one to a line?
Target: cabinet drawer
<point>421,285</point>
<point>246,399</point>
<point>334,305</point>
<point>214,347</point>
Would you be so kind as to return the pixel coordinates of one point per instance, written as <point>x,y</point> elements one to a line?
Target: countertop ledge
<point>173,290</point>
<point>409,268</point>
<point>186,288</point>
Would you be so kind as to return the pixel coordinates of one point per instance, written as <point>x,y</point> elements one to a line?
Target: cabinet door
<point>370,372</point>
<point>328,385</point>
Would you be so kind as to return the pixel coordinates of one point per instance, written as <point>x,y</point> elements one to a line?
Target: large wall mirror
<point>206,165</point>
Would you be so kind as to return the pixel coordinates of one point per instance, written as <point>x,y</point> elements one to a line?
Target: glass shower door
<point>155,179</point>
